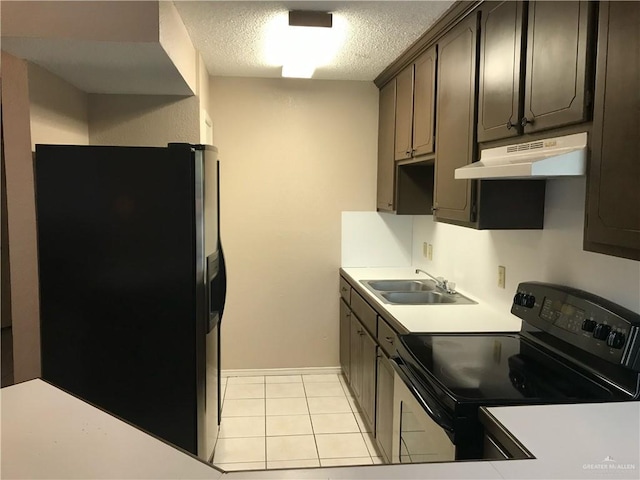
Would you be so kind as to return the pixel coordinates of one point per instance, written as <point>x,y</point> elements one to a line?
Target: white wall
<point>21,218</point>
<point>294,154</point>
<point>59,111</point>
<point>175,40</point>
<point>554,254</point>
<point>372,239</point>
<point>112,21</point>
<point>143,120</point>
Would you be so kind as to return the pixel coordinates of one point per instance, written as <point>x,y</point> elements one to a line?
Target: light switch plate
<point>502,276</point>
<point>425,249</point>
<point>430,252</point>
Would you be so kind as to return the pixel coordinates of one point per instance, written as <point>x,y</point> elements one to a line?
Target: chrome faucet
<point>441,282</point>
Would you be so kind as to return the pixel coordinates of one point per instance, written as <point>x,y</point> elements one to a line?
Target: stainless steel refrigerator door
<point>206,159</point>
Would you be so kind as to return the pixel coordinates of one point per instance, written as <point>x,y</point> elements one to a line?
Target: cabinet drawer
<point>364,312</point>
<point>345,290</point>
<point>386,337</point>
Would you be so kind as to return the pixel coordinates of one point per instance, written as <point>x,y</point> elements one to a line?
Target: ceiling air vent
<point>525,146</point>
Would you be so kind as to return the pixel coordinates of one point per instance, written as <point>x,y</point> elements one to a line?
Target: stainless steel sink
<point>401,285</point>
<point>413,292</point>
<point>418,298</point>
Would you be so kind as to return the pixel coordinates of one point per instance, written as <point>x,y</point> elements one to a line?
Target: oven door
<point>421,431</point>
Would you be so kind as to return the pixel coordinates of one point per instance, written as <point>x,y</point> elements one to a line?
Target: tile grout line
<point>265,422</point>
<point>313,431</point>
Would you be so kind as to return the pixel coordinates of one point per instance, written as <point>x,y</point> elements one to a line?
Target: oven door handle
<point>436,414</point>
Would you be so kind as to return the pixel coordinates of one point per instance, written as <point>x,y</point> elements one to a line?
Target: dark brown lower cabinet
<point>355,356</point>
<point>384,406</point>
<point>612,223</point>
<point>345,335</point>
<point>363,369</point>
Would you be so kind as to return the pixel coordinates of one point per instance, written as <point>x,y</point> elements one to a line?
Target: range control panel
<point>582,319</point>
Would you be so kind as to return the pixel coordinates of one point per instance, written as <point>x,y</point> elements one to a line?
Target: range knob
<point>530,301</point>
<point>616,339</point>
<point>601,332</point>
<point>588,325</point>
<point>517,299</point>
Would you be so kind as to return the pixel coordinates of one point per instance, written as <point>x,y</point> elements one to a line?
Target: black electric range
<point>573,347</point>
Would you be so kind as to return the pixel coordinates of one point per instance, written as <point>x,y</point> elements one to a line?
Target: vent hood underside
<point>548,158</point>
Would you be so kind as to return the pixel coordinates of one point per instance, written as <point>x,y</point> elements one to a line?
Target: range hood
<point>552,157</point>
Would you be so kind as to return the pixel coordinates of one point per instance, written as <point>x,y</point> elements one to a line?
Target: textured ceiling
<point>230,34</point>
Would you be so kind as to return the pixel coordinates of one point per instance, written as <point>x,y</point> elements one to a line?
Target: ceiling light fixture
<point>303,40</point>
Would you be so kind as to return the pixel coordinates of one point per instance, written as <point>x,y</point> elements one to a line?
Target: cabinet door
<point>386,132</point>
<point>557,44</point>
<point>384,406</point>
<point>355,356</point>
<point>613,188</point>
<point>456,120</point>
<point>369,364</point>
<point>424,96</point>
<point>404,113</point>
<point>345,336</point>
<point>499,101</point>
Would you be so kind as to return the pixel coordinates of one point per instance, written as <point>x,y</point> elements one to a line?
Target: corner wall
<point>294,154</point>
<point>21,219</point>
<point>143,120</point>
<point>59,111</point>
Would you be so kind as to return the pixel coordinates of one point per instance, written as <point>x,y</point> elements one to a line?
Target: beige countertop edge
<point>47,433</point>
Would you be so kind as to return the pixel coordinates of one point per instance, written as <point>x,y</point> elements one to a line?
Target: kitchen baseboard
<point>280,371</point>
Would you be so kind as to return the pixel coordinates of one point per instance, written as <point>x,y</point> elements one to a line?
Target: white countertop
<point>574,441</point>
<point>47,433</point>
<point>480,317</point>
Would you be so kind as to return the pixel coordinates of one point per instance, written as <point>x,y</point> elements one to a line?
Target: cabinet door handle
<point>433,209</point>
<point>344,289</point>
<point>389,204</point>
<point>360,332</point>
<point>389,339</point>
<point>408,153</point>
<point>348,315</point>
<point>525,121</point>
<point>510,125</point>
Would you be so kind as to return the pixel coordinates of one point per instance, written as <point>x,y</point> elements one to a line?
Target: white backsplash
<point>555,255</point>
<point>470,258</point>
<point>371,239</point>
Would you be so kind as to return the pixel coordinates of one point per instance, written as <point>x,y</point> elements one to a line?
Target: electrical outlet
<point>425,249</point>
<point>430,252</point>
<point>502,276</point>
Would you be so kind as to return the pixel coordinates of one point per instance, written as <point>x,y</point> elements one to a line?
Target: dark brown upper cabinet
<point>534,67</point>
<point>612,223</point>
<point>424,96</point>
<point>386,132</point>
<point>415,101</point>
<point>496,204</point>
<point>500,102</point>
<point>456,119</point>
<point>557,86</point>
<point>404,113</point>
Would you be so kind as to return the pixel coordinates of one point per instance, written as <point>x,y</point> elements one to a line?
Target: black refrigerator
<point>133,283</point>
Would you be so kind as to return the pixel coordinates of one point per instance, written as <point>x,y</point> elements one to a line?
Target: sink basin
<point>413,292</point>
<point>401,285</point>
<point>418,298</point>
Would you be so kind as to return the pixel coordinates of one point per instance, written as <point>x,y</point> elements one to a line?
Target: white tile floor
<point>291,421</point>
